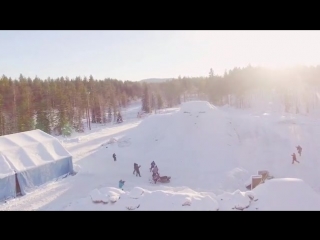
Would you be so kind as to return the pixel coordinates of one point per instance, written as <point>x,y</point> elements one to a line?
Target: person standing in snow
<point>135,166</point>
<point>155,177</point>
<point>137,169</point>
<point>299,148</point>
<point>155,170</point>
<point>294,158</point>
<point>152,165</point>
<point>114,157</point>
<point>121,183</point>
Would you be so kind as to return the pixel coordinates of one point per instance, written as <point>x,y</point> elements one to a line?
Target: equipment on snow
<point>164,179</point>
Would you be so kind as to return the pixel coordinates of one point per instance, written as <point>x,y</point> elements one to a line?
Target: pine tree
<point>66,130</point>
<point>109,115</point>
<point>153,103</point>
<point>211,73</point>
<point>146,99</point>
<point>159,101</point>
<point>1,116</point>
<point>42,120</point>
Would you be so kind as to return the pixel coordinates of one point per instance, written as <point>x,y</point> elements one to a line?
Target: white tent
<point>29,159</point>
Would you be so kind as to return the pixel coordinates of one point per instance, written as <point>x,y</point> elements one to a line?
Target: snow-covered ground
<point>209,153</point>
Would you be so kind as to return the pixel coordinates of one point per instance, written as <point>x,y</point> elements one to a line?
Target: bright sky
<point>136,55</point>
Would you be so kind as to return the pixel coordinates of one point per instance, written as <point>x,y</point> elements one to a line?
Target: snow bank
<point>98,197</point>
<point>166,200</point>
<point>142,199</point>
<point>285,194</point>
<point>137,193</point>
<point>106,195</point>
<point>162,200</point>
<point>237,200</point>
<point>111,191</point>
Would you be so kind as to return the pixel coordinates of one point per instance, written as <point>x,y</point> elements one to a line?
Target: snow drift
<point>285,194</point>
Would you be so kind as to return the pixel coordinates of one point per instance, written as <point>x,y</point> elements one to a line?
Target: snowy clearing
<point>209,153</point>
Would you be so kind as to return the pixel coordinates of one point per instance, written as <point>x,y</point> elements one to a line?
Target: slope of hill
<point>183,144</point>
<point>209,153</point>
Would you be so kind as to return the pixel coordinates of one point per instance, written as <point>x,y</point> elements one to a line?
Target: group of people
<point>294,157</point>
<point>136,170</point>
<point>154,169</point>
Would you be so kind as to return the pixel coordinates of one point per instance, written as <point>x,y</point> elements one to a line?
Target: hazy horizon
<point>137,55</point>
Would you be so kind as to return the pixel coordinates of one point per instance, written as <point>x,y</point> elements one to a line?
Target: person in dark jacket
<point>299,148</point>
<point>135,166</point>
<point>137,170</point>
<point>294,158</point>
<point>114,157</point>
<point>152,165</point>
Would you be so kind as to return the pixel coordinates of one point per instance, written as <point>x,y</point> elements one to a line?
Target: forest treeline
<point>58,106</point>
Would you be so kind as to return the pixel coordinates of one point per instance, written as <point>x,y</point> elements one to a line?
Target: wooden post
<point>256,180</point>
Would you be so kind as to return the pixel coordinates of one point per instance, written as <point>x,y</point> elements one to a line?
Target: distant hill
<point>155,80</point>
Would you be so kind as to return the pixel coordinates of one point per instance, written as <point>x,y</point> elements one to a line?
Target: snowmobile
<point>164,179</point>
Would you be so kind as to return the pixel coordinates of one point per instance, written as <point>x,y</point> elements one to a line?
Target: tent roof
<point>24,150</point>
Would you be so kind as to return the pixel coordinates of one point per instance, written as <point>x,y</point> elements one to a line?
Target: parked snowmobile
<point>164,179</point>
